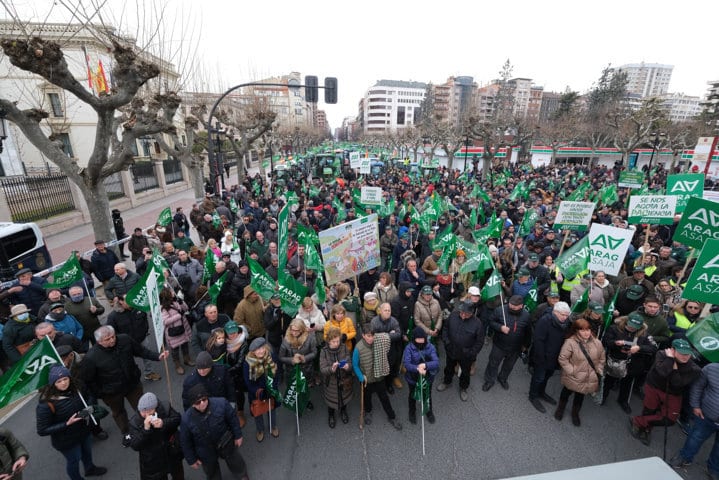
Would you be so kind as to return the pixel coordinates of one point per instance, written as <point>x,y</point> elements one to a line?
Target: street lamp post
<point>658,137</point>
<point>3,128</point>
<point>219,137</point>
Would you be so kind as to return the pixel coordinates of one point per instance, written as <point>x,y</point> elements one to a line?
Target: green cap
<point>635,320</point>
<point>595,307</point>
<point>682,346</point>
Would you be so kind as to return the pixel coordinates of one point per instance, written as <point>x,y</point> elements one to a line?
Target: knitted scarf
<point>380,348</point>
<point>258,366</point>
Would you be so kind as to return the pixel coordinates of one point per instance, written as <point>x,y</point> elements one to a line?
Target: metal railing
<point>173,171</point>
<point>113,186</point>
<point>36,197</point>
<point>143,176</point>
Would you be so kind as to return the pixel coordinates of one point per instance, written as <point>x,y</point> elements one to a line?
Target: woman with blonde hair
<point>258,362</point>
<point>213,248</point>
<point>582,360</point>
<point>299,347</point>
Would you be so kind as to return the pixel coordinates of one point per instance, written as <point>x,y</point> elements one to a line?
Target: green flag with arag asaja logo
<point>137,296</point>
<point>297,395</point>
<point>421,393</point>
<point>531,300</point>
<point>291,293</point>
<point>703,283</point>
<point>69,273</point>
<point>575,259</point>
<point>260,280</point>
<point>216,287</point>
<point>29,373</point>
<point>493,287</point>
<point>165,217</point>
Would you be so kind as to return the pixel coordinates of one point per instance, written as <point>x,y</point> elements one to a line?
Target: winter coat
<point>204,328</point>
<point>427,314</point>
<point>174,317</point>
<point>704,392</point>
<point>367,313</point>
<point>136,244</point>
<point>235,360</point>
<point>413,356</point>
<point>111,371</point>
<point>253,386</point>
<point>330,390</point>
<point>81,311</point>
<point>657,327</point>
<point>547,341</point>
<point>403,307</point>
<point>664,377</point>
<point>385,294</point>
<point>577,375</point>
<point>200,432</point>
<point>156,445</point>
<point>11,450</point>
<point>191,268</point>
<point>406,276</point>
<point>315,316</point>
<point>130,322</point>
<point>103,264</point>
<point>640,361</point>
<point>250,314</point>
<point>68,324</point>
<point>345,326</point>
<point>15,334</point>
<point>117,286</point>
<point>218,383</point>
<point>463,339</point>
<point>276,323</point>
<point>32,295</point>
<point>62,436</point>
<point>307,347</point>
<point>519,329</point>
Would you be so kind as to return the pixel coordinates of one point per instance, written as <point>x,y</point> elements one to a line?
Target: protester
<point>18,333</point>
<point>177,331</point>
<point>216,380</point>
<point>511,336</point>
<point>237,348</point>
<point>87,310</point>
<point>335,367</point>
<point>420,358</point>
<point>13,456</point>
<point>299,347</point>
<point>547,342</point>
<point>259,362</point>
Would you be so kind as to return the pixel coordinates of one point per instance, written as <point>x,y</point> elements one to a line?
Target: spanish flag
<point>100,79</point>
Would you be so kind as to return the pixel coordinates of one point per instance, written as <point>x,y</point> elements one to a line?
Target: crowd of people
<point>397,325</point>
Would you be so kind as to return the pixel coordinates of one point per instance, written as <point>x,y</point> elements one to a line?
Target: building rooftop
<point>400,84</point>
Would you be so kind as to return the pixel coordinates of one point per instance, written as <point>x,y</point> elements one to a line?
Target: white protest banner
<point>371,195</point>
<point>365,166</point>
<point>350,248</point>
<point>574,215</point>
<point>153,296</point>
<point>608,247</point>
<point>652,209</point>
<point>355,160</point>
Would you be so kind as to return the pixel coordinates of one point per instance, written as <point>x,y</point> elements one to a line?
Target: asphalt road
<point>496,434</point>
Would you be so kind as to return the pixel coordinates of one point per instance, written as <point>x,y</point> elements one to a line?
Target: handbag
<point>618,368</point>
<point>597,396</point>
<point>176,331</point>
<point>258,406</point>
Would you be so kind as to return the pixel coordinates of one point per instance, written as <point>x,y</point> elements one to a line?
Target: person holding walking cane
<point>336,370</point>
<point>419,358</point>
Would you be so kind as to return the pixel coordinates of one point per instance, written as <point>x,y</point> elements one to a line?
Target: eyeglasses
<point>199,401</point>
<point>693,308</point>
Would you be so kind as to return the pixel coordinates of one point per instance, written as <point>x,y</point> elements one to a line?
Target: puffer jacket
<point>217,383</point>
<point>403,307</point>
<point>663,375</point>
<point>174,317</point>
<point>200,432</point>
<point>427,314</point>
<point>463,339</point>
<point>276,323</point>
<point>53,423</point>
<point>154,444</point>
<point>413,356</point>
<point>130,322</point>
<point>640,361</point>
<point>547,340</point>
<point>10,451</point>
<point>331,386</point>
<point>577,374</point>
<point>345,327</point>
<point>519,331</point>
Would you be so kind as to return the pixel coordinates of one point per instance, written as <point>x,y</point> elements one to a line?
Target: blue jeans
<point>81,451</point>
<point>701,430</point>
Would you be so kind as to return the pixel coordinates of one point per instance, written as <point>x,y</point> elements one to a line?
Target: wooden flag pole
<point>167,375</point>
<point>564,241</point>
<point>684,269</point>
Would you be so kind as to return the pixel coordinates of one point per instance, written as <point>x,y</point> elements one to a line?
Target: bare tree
<point>632,128</point>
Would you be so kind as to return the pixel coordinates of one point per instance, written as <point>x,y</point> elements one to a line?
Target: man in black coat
<point>110,372</point>
<point>547,342</point>
<point>463,337</point>
<point>103,262</point>
<point>27,290</point>
<point>210,430</point>
<point>403,308</point>
<point>511,327</point>
<point>214,377</point>
<point>127,320</point>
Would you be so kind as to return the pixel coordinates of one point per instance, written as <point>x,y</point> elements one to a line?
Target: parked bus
<point>24,246</point>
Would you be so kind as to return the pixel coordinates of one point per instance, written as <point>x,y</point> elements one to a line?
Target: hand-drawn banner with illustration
<point>350,248</point>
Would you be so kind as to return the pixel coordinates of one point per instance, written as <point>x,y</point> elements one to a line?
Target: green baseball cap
<point>682,346</point>
<point>635,320</point>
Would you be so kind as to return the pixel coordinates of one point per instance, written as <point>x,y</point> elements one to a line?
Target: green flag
<point>165,217</point>
<point>209,270</point>
<point>424,222</point>
<point>69,273</point>
<point>473,219</point>
<point>29,373</point>
<point>520,190</point>
<point>703,283</point>
<point>493,287</point>
<point>314,191</point>
<point>283,236</point>
<point>137,296</point>
<point>307,235</point>
<point>527,226</point>
<point>479,261</point>
<point>704,335</point>
<point>313,260</point>
<point>320,289</point>
<point>233,205</point>
<point>297,394</point>
<point>574,259</point>
<point>291,293</point>
<point>582,303</point>
<point>492,230</point>
<point>532,299</point>
<point>260,280</point>
<point>270,386</point>
<point>609,311</point>
<point>340,208</point>
<point>215,288</point>
<point>421,393</point>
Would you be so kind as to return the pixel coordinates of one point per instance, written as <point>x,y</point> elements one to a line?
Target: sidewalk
<point>82,237</point>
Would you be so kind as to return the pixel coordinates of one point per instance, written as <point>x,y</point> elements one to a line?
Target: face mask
<point>77,298</point>
<point>57,316</point>
<point>23,316</point>
<point>420,346</point>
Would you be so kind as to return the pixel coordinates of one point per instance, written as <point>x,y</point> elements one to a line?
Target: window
<point>56,105</point>
<point>400,115</point>
<point>66,145</point>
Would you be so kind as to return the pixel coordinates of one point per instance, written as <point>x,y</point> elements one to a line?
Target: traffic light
<point>311,89</point>
<point>330,90</point>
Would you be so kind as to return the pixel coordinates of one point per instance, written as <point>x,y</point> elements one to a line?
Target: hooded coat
<point>403,307</point>
<point>577,375</point>
<point>249,313</point>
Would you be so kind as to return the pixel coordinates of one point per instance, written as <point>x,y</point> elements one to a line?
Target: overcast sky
<point>557,43</point>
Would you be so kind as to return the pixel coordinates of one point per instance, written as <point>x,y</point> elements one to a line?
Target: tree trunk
<point>198,183</point>
<point>98,204</point>
<point>486,167</point>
